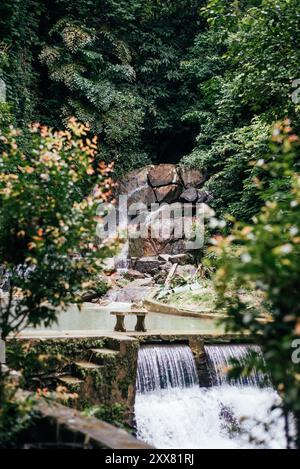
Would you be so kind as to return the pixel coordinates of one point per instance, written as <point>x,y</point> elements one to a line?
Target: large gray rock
<point>148,265</point>
<point>189,195</point>
<point>192,178</point>
<point>163,175</point>
<point>164,257</point>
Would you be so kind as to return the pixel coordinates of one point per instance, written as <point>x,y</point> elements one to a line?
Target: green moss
<point>41,361</point>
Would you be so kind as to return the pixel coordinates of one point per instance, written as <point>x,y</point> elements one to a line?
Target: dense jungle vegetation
<point>195,81</point>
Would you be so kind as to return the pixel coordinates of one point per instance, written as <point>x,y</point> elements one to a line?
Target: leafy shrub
<point>114,413</point>
<point>267,259</point>
<point>48,221</point>
<point>16,415</point>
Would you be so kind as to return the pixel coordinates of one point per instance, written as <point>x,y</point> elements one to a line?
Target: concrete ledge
<point>206,337</point>
<point>154,306</point>
<point>83,334</point>
<point>72,427</point>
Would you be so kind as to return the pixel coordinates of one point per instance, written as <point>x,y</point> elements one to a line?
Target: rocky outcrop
<point>165,183</point>
<point>169,187</point>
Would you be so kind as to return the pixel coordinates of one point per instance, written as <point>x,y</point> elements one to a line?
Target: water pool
<point>98,318</point>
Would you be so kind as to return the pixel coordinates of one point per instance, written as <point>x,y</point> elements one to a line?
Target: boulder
<point>143,194</point>
<point>168,194</point>
<point>163,175</point>
<point>141,247</point>
<point>148,265</point>
<point>134,180</point>
<point>192,178</point>
<point>189,195</point>
<point>161,227</point>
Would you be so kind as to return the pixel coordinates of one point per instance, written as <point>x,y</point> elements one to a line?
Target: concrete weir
<point>101,370</point>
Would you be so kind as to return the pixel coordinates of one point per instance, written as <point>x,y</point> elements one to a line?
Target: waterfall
<point>165,366</point>
<point>122,260</point>
<point>173,412</point>
<point>220,359</point>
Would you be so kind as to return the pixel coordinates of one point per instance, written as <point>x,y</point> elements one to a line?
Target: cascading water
<point>122,260</point>
<point>220,359</point>
<point>172,411</point>
<point>165,367</point>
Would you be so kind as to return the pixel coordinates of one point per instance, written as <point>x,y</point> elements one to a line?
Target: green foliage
<point>16,415</point>
<point>5,115</point>
<point>19,38</point>
<point>95,72</point>
<point>113,413</point>
<point>267,260</point>
<point>245,65</point>
<point>48,220</point>
<point>112,64</point>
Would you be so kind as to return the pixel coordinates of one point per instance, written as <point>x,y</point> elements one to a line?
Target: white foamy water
<point>165,366</point>
<point>224,417</point>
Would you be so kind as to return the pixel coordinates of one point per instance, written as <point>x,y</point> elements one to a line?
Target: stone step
<point>72,383</point>
<point>82,369</point>
<point>100,355</point>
